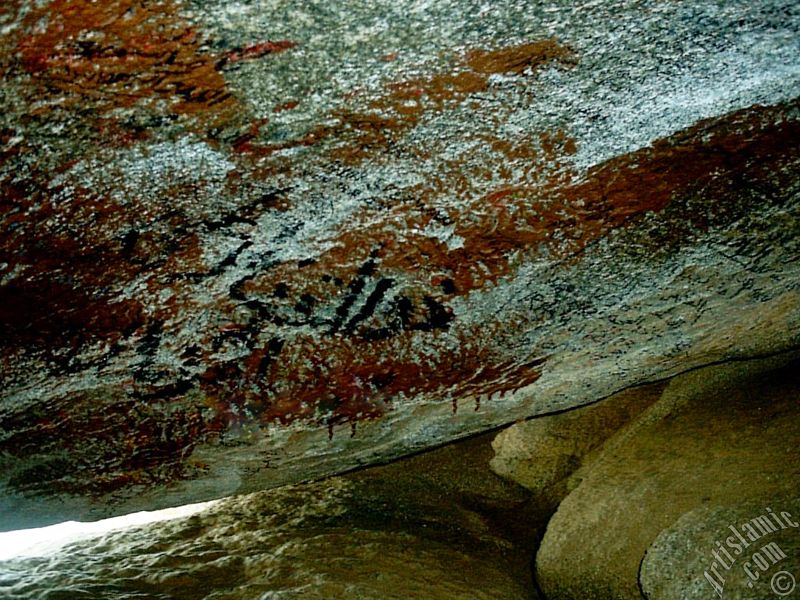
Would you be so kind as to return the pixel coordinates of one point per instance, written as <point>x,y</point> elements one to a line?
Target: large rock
<point>736,550</point>
<point>722,443</point>
<point>434,526</point>
<point>542,453</point>
<point>249,243</point>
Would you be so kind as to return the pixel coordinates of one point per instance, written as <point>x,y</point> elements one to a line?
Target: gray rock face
<point>245,244</point>
<point>719,448</point>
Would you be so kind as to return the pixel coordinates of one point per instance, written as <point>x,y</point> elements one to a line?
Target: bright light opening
<point>47,540</point>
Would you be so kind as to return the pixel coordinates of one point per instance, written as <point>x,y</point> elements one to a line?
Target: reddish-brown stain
<point>70,256</point>
<point>291,104</point>
<point>358,376</point>
<point>73,266</point>
<point>115,135</point>
<point>128,443</point>
<point>119,53</point>
<point>258,50</point>
<point>517,59</point>
<point>611,195</point>
<point>45,313</point>
<point>341,378</point>
<point>359,134</point>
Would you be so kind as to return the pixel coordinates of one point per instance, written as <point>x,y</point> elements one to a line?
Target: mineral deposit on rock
<point>248,243</point>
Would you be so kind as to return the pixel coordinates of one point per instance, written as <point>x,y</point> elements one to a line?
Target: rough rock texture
<point>249,243</point>
<point>542,453</point>
<point>676,565</point>
<point>721,441</point>
<point>438,526</point>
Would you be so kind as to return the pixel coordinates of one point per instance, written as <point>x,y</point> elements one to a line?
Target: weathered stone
<point>247,243</point>
<point>432,526</point>
<point>700,555</point>
<point>721,440</point>
<point>541,453</point>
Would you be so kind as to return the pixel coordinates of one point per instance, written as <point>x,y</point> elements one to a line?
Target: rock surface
<point>680,564</point>
<point>722,443</point>
<point>438,525</point>
<point>542,453</point>
<point>250,243</point>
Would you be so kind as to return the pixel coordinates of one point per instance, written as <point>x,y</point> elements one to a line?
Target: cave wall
<point>249,244</point>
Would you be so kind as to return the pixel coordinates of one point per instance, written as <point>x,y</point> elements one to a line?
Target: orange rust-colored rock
<point>517,59</point>
<point>115,54</point>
